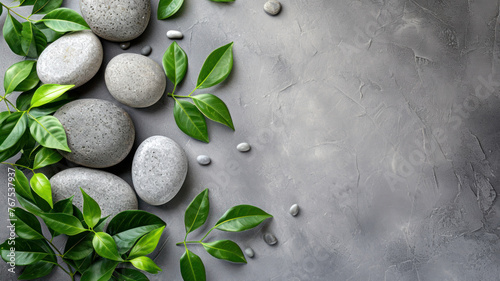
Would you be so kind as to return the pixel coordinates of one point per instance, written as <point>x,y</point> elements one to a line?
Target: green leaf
<point>64,20</point>
<point>147,243</point>
<point>27,225</point>
<point>49,132</point>
<point>101,270</point>
<point>41,185</point>
<point>175,63</point>
<point>190,120</point>
<point>37,270</point>
<point>27,2</point>
<point>29,83</point>
<point>29,205</point>
<point>50,107</point>
<point>240,218</point>
<point>214,109</point>
<point>63,223</point>
<point>91,210</point>
<point>50,34</point>
<point>81,265</point>
<point>33,41</point>
<point>13,128</point>
<point>197,212</point>
<point>79,246</point>
<point>192,268</point>
<point>12,151</point>
<point>23,101</point>
<point>4,115</point>
<point>146,264</point>
<point>45,6</point>
<point>22,185</point>
<point>12,29</point>
<point>62,206</point>
<point>216,68</point>
<point>105,246</point>
<point>225,250</point>
<point>47,93</point>
<point>30,148</point>
<point>45,157</point>
<point>167,8</point>
<point>26,251</point>
<point>129,274</point>
<point>128,226</point>
<point>17,73</point>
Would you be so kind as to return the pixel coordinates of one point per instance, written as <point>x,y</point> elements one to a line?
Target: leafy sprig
<point>236,219</point>
<point>190,117</point>
<point>168,8</point>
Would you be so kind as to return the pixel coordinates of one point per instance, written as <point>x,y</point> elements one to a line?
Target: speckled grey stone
<point>135,80</point>
<point>159,169</point>
<point>243,147</point>
<point>203,160</point>
<point>113,194</point>
<point>294,210</point>
<point>272,7</point>
<point>100,134</point>
<point>72,59</point>
<point>125,45</point>
<point>174,34</point>
<point>116,20</point>
<point>249,252</point>
<point>270,239</point>
<point>146,50</point>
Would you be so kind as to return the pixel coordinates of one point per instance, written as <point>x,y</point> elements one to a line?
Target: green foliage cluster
<point>95,254</point>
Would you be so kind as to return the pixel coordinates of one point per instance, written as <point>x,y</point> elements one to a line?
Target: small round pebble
<point>249,252</point>
<point>243,147</point>
<point>174,34</point>
<point>146,50</point>
<point>270,239</point>
<point>125,45</point>
<point>272,7</point>
<point>294,210</point>
<point>203,160</point>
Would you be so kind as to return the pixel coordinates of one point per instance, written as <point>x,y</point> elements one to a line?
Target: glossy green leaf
<point>79,246</point>
<point>27,2</point>
<point>50,107</point>
<point>29,205</point>
<point>4,115</point>
<point>214,109</point>
<point>33,41</point>
<point>22,185</point>
<point>147,244</point>
<point>64,20</point>
<point>25,251</point>
<point>197,212</point>
<point>175,63</point>
<point>190,120</point>
<point>62,206</point>
<point>29,151</point>
<point>225,250</point>
<point>45,157</point>
<point>50,34</point>
<point>167,8</point>
<point>49,132</point>
<point>17,73</point>
<point>192,268</point>
<point>47,93</point>
<point>101,270</point>
<point>105,246</point>
<point>241,217</point>
<point>12,129</point>
<point>27,225</point>
<point>81,265</point>
<point>13,150</point>
<point>46,6</point>
<point>91,210</point>
<point>41,186</point>
<point>129,274</point>
<point>29,83</point>
<point>216,68</point>
<point>12,29</point>
<point>146,264</point>
<point>37,270</point>
<point>63,223</point>
<point>23,101</point>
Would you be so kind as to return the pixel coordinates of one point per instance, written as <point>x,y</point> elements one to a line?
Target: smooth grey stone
<point>249,252</point>
<point>112,193</point>
<point>159,169</point>
<point>116,20</point>
<point>72,59</point>
<point>125,45</point>
<point>146,50</point>
<point>270,239</point>
<point>243,147</point>
<point>294,210</point>
<point>203,160</point>
<point>100,134</point>
<point>135,80</point>
<point>174,34</point>
<point>272,7</point>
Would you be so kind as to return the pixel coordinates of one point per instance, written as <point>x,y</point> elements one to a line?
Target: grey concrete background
<point>379,118</point>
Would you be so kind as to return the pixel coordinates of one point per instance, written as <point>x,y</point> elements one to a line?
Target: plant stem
<point>10,10</point>
<point>188,242</point>
<point>207,234</point>
<point>6,100</point>
<point>12,164</point>
<point>178,96</point>
<point>70,273</point>
<point>193,91</point>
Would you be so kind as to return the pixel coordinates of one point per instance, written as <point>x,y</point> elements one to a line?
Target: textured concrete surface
<point>379,118</point>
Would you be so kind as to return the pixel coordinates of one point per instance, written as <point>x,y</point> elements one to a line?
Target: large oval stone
<point>112,193</point>
<point>159,169</point>
<point>135,80</point>
<point>72,59</point>
<point>116,20</point>
<point>100,134</point>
